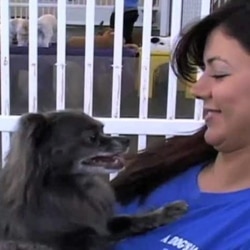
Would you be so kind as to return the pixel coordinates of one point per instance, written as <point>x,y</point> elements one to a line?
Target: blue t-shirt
<point>131,3</point>
<point>213,221</point>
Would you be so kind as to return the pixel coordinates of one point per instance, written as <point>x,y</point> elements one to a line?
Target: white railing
<point>115,124</point>
<point>5,73</point>
<point>76,9</point>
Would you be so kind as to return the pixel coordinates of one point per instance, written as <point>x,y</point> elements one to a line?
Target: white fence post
<point>117,63</point>
<point>89,57</point>
<point>33,58</point>
<point>117,59</point>
<point>5,72</point>
<point>175,29</point>
<point>61,55</point>
<point>145,67</point>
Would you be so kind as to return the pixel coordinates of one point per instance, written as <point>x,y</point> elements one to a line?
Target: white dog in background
<point>19,30</point>
<point>160,44</point>
<point>47,30</point>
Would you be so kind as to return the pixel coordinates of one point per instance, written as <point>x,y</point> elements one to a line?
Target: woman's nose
<point>202,88</point>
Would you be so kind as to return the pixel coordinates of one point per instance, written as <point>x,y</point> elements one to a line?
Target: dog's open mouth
<point>108,162</point>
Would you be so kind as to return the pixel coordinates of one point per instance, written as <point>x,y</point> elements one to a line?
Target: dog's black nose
<point>125,140</point>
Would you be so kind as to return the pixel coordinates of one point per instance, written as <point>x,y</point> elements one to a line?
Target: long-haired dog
<point>47,30</point>
<point>19,31</point>
<point>53,191</point>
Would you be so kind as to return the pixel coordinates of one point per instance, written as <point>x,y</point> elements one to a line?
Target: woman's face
<point>225,89</point>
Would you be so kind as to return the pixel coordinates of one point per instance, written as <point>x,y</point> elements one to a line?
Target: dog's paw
<point>173,211</point>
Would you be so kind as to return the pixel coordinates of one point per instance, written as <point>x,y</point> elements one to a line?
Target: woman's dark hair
<point>150,168</point>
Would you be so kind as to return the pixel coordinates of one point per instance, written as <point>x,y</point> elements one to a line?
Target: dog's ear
<point>31,127</point>
<point>24,166</point>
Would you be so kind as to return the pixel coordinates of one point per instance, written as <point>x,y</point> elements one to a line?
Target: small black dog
<point>53,191</point>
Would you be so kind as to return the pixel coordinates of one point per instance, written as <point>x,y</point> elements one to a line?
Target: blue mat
<point>52,50</point>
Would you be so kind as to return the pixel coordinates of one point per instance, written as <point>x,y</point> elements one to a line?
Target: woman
<point>210,169</point>
<point>130,17</point>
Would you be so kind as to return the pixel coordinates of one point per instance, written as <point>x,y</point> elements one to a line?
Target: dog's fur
<point>53,191</point>
<point>160,44</point>
<point>14,245</point>
<point>47,30</point>
<point>19,31</point>
<point>101,41</point>
<point>104,39</point>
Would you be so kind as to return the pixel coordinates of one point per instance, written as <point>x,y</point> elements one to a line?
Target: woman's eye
<point>219,76</point>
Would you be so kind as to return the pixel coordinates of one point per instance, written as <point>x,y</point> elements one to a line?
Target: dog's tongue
<point>117,163</point>
<point>114,162</point>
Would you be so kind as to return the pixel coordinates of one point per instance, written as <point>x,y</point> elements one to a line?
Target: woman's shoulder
<point>180,187</point>
<point>245,246</point>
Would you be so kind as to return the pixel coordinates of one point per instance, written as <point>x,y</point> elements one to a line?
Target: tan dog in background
<point>101,41</point>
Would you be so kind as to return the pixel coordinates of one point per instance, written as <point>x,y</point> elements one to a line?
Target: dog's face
<point>68,142</point>
<point>79,139</point>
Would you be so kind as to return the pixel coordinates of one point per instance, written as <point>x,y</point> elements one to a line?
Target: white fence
<point>115,124</point>
<point>76,9</point>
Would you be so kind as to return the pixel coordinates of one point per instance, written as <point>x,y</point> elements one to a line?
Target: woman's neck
<point>229,172</point>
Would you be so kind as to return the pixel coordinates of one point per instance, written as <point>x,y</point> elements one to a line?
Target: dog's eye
<point>93,138</point>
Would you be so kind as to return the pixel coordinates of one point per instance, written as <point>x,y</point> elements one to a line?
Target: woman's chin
<point>214,138</point>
